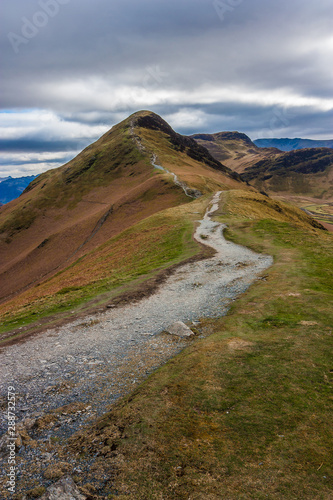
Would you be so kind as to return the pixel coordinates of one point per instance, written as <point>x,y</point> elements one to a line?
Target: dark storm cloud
<point>35,145</point>
<point>207,65</point>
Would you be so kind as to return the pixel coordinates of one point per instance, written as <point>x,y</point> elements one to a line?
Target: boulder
<point>180,329</point>
<point>64,489</point>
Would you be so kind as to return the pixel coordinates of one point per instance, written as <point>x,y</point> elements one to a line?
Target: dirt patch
<point>237,344</point>
<point>308,323</point>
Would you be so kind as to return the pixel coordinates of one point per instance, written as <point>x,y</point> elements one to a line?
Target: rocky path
<point>69,375</point>
<point>191,193</point>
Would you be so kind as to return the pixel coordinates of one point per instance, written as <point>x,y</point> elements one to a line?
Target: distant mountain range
<point>291,144</point>
<point>11,188</point>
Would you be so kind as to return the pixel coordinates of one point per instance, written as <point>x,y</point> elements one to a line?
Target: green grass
<point>321,212</point>
<point>246,412</point>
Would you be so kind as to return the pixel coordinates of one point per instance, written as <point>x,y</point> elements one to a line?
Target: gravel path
<point>191,193</point>
<point>88,365</point>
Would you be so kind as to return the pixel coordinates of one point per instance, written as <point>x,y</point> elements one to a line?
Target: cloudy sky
<point>73,68</point>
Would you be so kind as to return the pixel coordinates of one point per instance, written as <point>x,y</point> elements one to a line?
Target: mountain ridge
<point>304,171</point>
<point>243,409</point>
<point>181,143</point>
<point>110,186</point>
<point>13,187</point>
<point>286,144</point>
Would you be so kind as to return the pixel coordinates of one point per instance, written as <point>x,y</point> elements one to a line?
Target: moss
<point>36,492</point>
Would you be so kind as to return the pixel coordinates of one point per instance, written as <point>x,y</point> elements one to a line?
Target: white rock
<point>180,329</point>
<point>65,489</point>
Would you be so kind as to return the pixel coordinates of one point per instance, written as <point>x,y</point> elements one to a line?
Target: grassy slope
<point>246,412</point>
<point>64,205</point>
<point>153,244</point>
<point>44,230</point>
<point>306,172</point>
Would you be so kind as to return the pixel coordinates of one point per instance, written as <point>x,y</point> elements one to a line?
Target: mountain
<point>11,188</point>
<point>307,172</point>
<point>291,144</point>
<point>234,149</point>
<point>4,178</point>
<point>303,176</point>
<point>138,168</point>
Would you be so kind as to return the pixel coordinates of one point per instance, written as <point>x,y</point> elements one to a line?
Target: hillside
<point>303,177</point>
<point>234,149</point>
<point>11,188</point>
<point>69,212</point>
<point>295,171</point>
<point>292,144</point>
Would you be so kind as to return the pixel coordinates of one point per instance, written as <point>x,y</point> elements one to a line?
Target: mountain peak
<point>182,143</point>
<point>150,120</point>
<point>236,136</point>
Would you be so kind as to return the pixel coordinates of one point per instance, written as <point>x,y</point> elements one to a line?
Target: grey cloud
<point>8,163</point>
<point>35,145</point>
